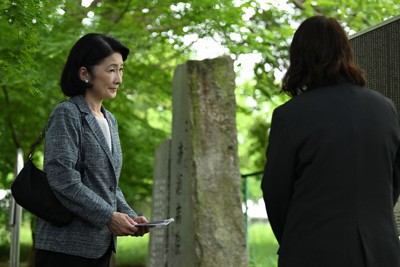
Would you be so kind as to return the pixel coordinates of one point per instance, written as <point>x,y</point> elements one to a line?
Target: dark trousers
<point>45,258</point>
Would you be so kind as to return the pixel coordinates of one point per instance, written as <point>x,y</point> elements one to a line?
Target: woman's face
<point>106,77</point>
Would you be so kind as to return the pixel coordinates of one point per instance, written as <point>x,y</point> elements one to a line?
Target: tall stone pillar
<point>205,186</point>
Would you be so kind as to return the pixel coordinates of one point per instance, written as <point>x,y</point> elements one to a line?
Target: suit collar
<point>80,102</point>
<point>90,119</point>
<point>83,107</point>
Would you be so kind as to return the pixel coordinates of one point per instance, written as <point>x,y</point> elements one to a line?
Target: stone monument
<point>204,177</point>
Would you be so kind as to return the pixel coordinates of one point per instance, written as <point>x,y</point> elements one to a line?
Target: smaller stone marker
<point>158,245</point>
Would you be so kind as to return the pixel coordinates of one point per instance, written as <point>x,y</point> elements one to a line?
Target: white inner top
<point>106,130</point>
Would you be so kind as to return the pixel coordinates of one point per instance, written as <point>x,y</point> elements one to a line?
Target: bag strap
<point>37,142</point>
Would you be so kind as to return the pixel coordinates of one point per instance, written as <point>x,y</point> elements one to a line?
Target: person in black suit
<point>332,178</point>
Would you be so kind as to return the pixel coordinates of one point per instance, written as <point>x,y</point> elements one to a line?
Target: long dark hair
<point>320,55</point>
<point>87,52</point>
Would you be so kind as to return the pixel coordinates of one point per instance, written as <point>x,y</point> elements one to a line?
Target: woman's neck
<point>94,106</point>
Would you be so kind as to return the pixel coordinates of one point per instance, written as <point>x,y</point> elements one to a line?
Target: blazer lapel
<point>95,128</point>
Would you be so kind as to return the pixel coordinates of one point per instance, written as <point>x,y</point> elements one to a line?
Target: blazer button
<point>111,188</point>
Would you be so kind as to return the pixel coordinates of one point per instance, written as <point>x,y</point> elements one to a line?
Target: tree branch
<point>8,120</point>
<point>299,4</point>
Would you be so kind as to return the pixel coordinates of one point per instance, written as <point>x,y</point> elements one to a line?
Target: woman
<point>331,178</point>
<point>82,129</point>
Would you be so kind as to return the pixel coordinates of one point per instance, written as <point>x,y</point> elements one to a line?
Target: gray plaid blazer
<point>93,197</point>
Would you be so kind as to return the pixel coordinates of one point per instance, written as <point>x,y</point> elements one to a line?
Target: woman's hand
<point>121,224</point>
<point>142,230</point>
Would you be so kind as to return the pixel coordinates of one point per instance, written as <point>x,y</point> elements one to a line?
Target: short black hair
<point>87,52</point>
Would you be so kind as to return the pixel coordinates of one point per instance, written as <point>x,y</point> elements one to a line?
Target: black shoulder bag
<point>32,191</point>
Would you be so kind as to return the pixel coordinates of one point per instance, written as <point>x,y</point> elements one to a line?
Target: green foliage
<point>132,251</point>
<point>262,246</point>
<point>4,218</point>
<point>19,42</point>
<point>25,244</point>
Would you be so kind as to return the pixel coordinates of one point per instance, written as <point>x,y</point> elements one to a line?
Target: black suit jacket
<point>332,178</point>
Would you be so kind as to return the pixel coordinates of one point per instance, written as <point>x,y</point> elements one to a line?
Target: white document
<point>156,223</point>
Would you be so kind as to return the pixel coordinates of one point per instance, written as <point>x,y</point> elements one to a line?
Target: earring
<point>86,81</point>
